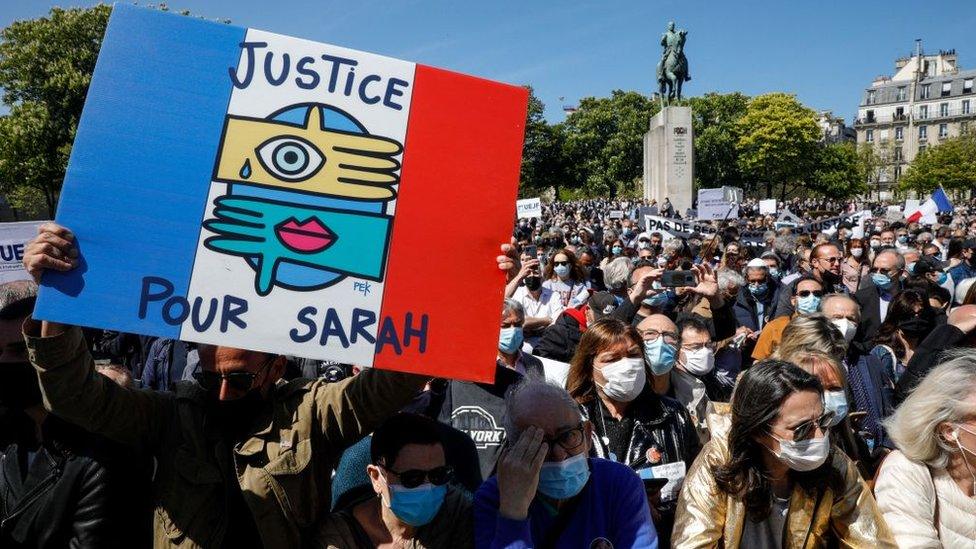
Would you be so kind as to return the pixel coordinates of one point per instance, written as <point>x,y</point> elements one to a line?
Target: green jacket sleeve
<point>353,408</point>
<point>74,391</point>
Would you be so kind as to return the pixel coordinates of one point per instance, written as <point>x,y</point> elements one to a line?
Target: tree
<point>604,141</point>
<point>837,173</point>
<point>951,164</point>
<point>870,166</point>
<point>543,163</point>
<point>714,119</point>
<point>46,66</point>
<point>778,142</point>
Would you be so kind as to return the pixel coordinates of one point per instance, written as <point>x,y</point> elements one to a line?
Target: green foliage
<point>604,141</point>
<point>951,164</point>
<point>714,124</point>
<point>778,140</point>
<point>45,69</point>
<point>543,163</point>
<point>837,173</point>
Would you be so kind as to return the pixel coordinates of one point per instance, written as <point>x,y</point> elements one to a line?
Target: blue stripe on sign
<point>139,174</point>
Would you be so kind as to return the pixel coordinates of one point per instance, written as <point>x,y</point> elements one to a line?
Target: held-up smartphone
<point>674,279</point>
<point>532,251</point>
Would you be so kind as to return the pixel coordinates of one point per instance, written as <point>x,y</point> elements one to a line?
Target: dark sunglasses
<point>805,293</point>
<point>560,262</point>
<point>238,381</point>
<point>875,270</point>
<point>412,478</point>
<point>804,430</point>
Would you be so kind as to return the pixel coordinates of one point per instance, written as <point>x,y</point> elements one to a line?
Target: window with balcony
<point>869,117</point>
<point>902,93</point>
<point>943,109</point>
<point>898,154</point>
<point>899,113</point>
<point>923,132</point>
<point>869,136</point>
<point>946,89</point>
<point>965,106</point>
<point>923,112</point>
<point>870,98</point>
<point>899,133</point>
<point>967,85</point>
<point>926,91</point>
<point>943,131</point>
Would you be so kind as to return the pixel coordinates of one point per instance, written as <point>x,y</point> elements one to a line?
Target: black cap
<point>602,304</point>
<point>928,264</point>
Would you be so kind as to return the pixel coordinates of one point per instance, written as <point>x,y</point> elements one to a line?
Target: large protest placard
<point>767,207</point>
<point>13,239</point>
<point>527,208</point>
<point>717,204</point>
<point>237,187</point>
<point>676,228</point>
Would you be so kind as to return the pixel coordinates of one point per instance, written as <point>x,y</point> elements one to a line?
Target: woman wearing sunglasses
<point>415,505</point>
<point>774,481</point>
<point>564,276</point>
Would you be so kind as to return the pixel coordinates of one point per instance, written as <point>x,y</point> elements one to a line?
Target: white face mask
<point>699,362</point>
<point>857,252</point>
<point>625,379</point>
<point>805,455</point>
<point>846,327</point>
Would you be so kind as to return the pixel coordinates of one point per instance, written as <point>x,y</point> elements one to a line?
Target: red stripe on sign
<point>455,206</point>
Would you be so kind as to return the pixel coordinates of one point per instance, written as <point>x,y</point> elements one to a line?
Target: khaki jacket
<point>284,467</point>
<point>708,517</point>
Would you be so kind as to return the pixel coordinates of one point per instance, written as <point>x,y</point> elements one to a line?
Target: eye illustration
<point>290,158</point>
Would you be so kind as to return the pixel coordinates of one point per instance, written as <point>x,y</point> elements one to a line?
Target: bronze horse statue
<point>672,70</point>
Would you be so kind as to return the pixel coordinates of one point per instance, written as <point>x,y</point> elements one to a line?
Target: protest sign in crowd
<point>650,389</point>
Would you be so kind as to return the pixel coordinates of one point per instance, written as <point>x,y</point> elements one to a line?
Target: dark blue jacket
<point>745,306</point>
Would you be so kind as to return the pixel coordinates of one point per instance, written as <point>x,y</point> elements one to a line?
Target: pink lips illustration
<point>308,237</point>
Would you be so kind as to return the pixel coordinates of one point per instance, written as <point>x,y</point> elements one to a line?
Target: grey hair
<point>784,244</point>
<point>512,306</point>
<point>899,259</point>
<point>728,278</point>
<point>534,389</point>
<point>672,246</point>
<point>746,269</point>
<point>944,396</point>
<point>14,298</point>
<point>616,273</point>
<point>827,298</point>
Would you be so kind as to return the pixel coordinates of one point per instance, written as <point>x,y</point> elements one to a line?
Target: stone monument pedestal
<point>669,158</point>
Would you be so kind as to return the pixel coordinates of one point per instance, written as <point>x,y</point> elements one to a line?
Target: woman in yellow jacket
<point>774,481</point>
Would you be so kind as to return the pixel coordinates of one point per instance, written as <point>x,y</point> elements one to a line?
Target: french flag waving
<point>938,202</point>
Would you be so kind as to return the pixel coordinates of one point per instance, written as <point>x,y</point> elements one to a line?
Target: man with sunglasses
<point>244,458</point>
<point>808,292</point>
<point>825,267</point>
<point>415,504</point>
<point>548,493</point>
<point>876,293</point>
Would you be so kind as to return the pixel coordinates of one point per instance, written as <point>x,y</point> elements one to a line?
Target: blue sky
<point>824,51</point>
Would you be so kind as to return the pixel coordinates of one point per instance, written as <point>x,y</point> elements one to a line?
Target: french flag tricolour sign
<point>237,187</point>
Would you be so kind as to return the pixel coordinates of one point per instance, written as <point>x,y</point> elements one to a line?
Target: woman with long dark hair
<point>564,275</point>
<point>855,266</point>
<point>910,318</point>
<point>775,481</point>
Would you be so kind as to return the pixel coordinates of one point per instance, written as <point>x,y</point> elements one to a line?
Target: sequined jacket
<point>708,517</point>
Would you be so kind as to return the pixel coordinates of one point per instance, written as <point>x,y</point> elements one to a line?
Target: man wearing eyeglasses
<point>244,458</point>
<point>825,267</point>
<point>548,493</point>
<point>808,292</point>
<point>876,293</point>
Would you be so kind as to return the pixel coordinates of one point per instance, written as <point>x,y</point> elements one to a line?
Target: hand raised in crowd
<point>707,283</point>
<point>527,269</point>
<point>518,473</point>
<point>508,261</point>
<point>645,285</point>
<point>53,248</point>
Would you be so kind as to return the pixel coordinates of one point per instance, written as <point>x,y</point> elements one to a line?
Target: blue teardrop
<point>246,169</point>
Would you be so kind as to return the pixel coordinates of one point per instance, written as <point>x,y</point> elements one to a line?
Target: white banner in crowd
<point>676,228</point>
<point>715,204</point>
<point>13,239</point>
<point>767,206</point>
<point>529,207</point>
<point>616,214</point>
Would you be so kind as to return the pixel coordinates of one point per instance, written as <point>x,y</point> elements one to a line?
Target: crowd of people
<point>651,390</point>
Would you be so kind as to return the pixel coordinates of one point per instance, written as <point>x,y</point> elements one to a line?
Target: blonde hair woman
<point>812,333</point>
<point>926,488</point>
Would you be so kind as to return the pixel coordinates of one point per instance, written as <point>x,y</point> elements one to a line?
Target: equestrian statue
<point>672,70</point>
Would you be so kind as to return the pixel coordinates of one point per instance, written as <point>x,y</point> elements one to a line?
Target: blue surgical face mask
<point>902,239</point>
<point>616,250</point>
<point>882,280</point>
<point>564,479</point>
<point>562,271</point>
<point>510,339</point>
<point>758,290</point>
<point>660,356</point>
<point>943,278</point>
<point>836,402</point>
<point>658,300</point>
<point>910,267</point>
<point>416,506</point>
<point>808,304</point>
<point>774,272</point>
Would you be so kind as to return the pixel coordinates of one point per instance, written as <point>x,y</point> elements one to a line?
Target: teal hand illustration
<point>270,232</point>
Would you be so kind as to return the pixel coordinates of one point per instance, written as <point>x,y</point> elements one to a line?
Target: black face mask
<point>916,326</point>
<point>533,283</point>
<point>236,417</point>
<point>19,389</point>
